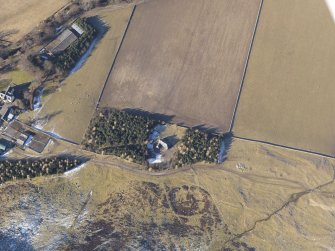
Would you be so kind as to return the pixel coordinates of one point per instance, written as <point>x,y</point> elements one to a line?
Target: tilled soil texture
<point>184,58</point>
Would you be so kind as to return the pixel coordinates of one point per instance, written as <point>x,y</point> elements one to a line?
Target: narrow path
<point>88,198</point>
<point>292,199</point>
<point>284,146</point>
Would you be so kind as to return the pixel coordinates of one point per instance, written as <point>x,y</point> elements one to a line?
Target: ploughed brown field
<point>184,58</point>
<point>288,95</point>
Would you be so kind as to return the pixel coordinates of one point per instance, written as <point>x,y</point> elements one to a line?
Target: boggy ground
<point>243,204</point>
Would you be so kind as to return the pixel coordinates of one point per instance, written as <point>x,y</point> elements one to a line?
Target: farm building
<point>62,42</point>
<point>76,28</point>
<point>24,139</point>
<point>6,113</point>
<point>156,150</point>
<point>156,147</point>
<point>5,146</point>
<point>8,95</point>
<point>24,136</point>
<point>76,37</point>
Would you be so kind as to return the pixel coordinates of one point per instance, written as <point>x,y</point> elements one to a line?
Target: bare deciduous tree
<point>4,37</point>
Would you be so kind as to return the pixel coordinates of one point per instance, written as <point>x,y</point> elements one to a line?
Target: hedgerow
<point>12,169</point>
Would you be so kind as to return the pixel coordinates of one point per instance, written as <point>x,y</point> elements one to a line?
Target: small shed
<point>77,28</point>
<point>156,150</point>
<point>2,148</point>
<point>6,113</point>
<point>22,139</point>
<point>157,160</point>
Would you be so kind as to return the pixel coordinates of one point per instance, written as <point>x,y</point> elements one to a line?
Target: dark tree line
<point>125,135</point>
<point>11,169</point>
<point>119,133</point>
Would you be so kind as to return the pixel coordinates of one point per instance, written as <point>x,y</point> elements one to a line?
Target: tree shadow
<point>9,66</point>
<point>7,48</point>
<point>154,116</point>
<point>5,37</point>
<point>8,144</point>
<point>44,119</point>
<point>101,27</point>
<point>49,90</point>
<point>171,140</point>
<point>20,89</point>
<point>207,129</point>
<point>98,24</point>
<point>227,140</point>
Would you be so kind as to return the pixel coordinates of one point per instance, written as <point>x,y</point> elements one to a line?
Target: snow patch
<point>74,170</point>
<point>331,7</point>
<point>37,100</point>
<point>39,125</point>
<point>54,134</point>
<point>7,153</point>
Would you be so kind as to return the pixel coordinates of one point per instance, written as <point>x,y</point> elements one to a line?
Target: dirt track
<point>184,60</point>
<point>256,193</point>
<point>288,93</point>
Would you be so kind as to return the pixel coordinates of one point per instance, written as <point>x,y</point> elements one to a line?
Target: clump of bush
<point>119,133</point>
<point>66,60</point>
<point>197,146</point>
<point>11,169</point>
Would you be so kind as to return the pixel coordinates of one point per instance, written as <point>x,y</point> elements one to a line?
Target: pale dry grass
<point>76,100</point>
<point>243,196</point>
<point>24,15</point>
<point>288,94</point>
<point>18,76</point>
